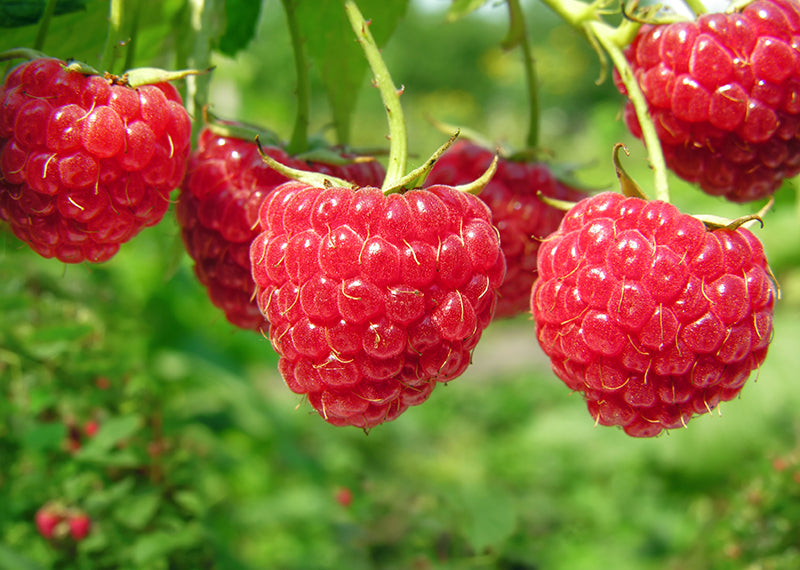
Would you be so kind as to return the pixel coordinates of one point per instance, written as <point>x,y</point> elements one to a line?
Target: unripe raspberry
<point>372,299</point>
<point>724,94</point>
<point>520,216</point>
<point>650,315</point>
<point>225,184</point>
<point>85,165</point>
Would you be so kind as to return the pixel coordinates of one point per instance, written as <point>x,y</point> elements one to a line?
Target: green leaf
<point>241,18</point>
<point>460,8</point>
<point>16,13</point>
<point>155,545</point>
<point>491,517</point>
<point>111,433</point>
<point>45,436</point>
<point>191,501</point>
<point>136,511</point>
<point>11,560</point>
<point>338,57</point>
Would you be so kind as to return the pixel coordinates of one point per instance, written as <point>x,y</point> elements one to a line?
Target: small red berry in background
<point>373,299</point>
<point>79,526</point>
<point>648,314</point>
<point>344,496</point>
<point>225,184</point>
<point>85,165</point>
<point>521,217</point>
<point>724,95</point>
<point>46,519</point>
<point>90,428</point>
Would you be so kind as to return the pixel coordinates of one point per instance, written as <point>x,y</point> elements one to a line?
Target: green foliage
<point>340,60</point>
<point>241,19</point>
<point>16,13</point>
<point>460,8</point>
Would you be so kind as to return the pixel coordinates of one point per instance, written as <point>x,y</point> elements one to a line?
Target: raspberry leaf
<point>17,13</point>
<point>241,17</point>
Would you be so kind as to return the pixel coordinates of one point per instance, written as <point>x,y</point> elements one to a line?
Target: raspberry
<point>372,299</point>
<point>85,165</point>
<point>522,219</point>
<point>46,519</point>
<point>79,526</point>
<point>650,315</point>
<point>724,95</point>
<point>225,184</point>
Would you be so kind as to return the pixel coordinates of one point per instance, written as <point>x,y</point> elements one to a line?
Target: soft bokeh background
<point>206,460</point>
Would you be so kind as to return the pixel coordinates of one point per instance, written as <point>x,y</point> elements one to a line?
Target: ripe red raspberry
<point>649,314</point>
<point>522,219</point>
<point>724,94</point>
<point>46,519</point>
<point>226,182</point>
<point>79,526</point>
<point>372,299</point>
<point>85,165</point>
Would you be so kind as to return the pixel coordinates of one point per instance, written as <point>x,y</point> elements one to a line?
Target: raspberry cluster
<point>650,315</point>
<point>86,164</point>
<point>226,182</point>
<point>724,94</point>
<point>372,299</point>
<point>518,213</point>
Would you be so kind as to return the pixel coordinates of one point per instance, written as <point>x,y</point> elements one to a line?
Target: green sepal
<point>315,179</point>
<point>152,75</point>
<point>242,131</point>
<point>477,185</point>
<point>22,53</point>
<point>416,178</point>
<point>627,185</point>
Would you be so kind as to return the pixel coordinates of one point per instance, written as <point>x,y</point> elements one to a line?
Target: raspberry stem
<point>398,148</point>
<point>44,24</point>
<point>696,6</point>
<point>606,36</point>
<point>115,12</point>
<point>201,17</point>
<point>130,52</point>
<point>586,17</point>
<point>299,141</point>
<point>519,34</point>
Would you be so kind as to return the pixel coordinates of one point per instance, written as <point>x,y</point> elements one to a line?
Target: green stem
<point>697,7</point>
<point>201,20</point>
<point>531,80</point>
<point>398,148</point>
<point>44,24</point>
<point>605,35</point>
<point>573,12</point>
<point>299,141</point>
<point>115,13</point>
<point>130,53</point>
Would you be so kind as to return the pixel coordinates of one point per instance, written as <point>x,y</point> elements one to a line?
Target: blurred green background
<point>206,460</point>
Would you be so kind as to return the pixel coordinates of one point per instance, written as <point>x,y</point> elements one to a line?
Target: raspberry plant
<point>139,428</point>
